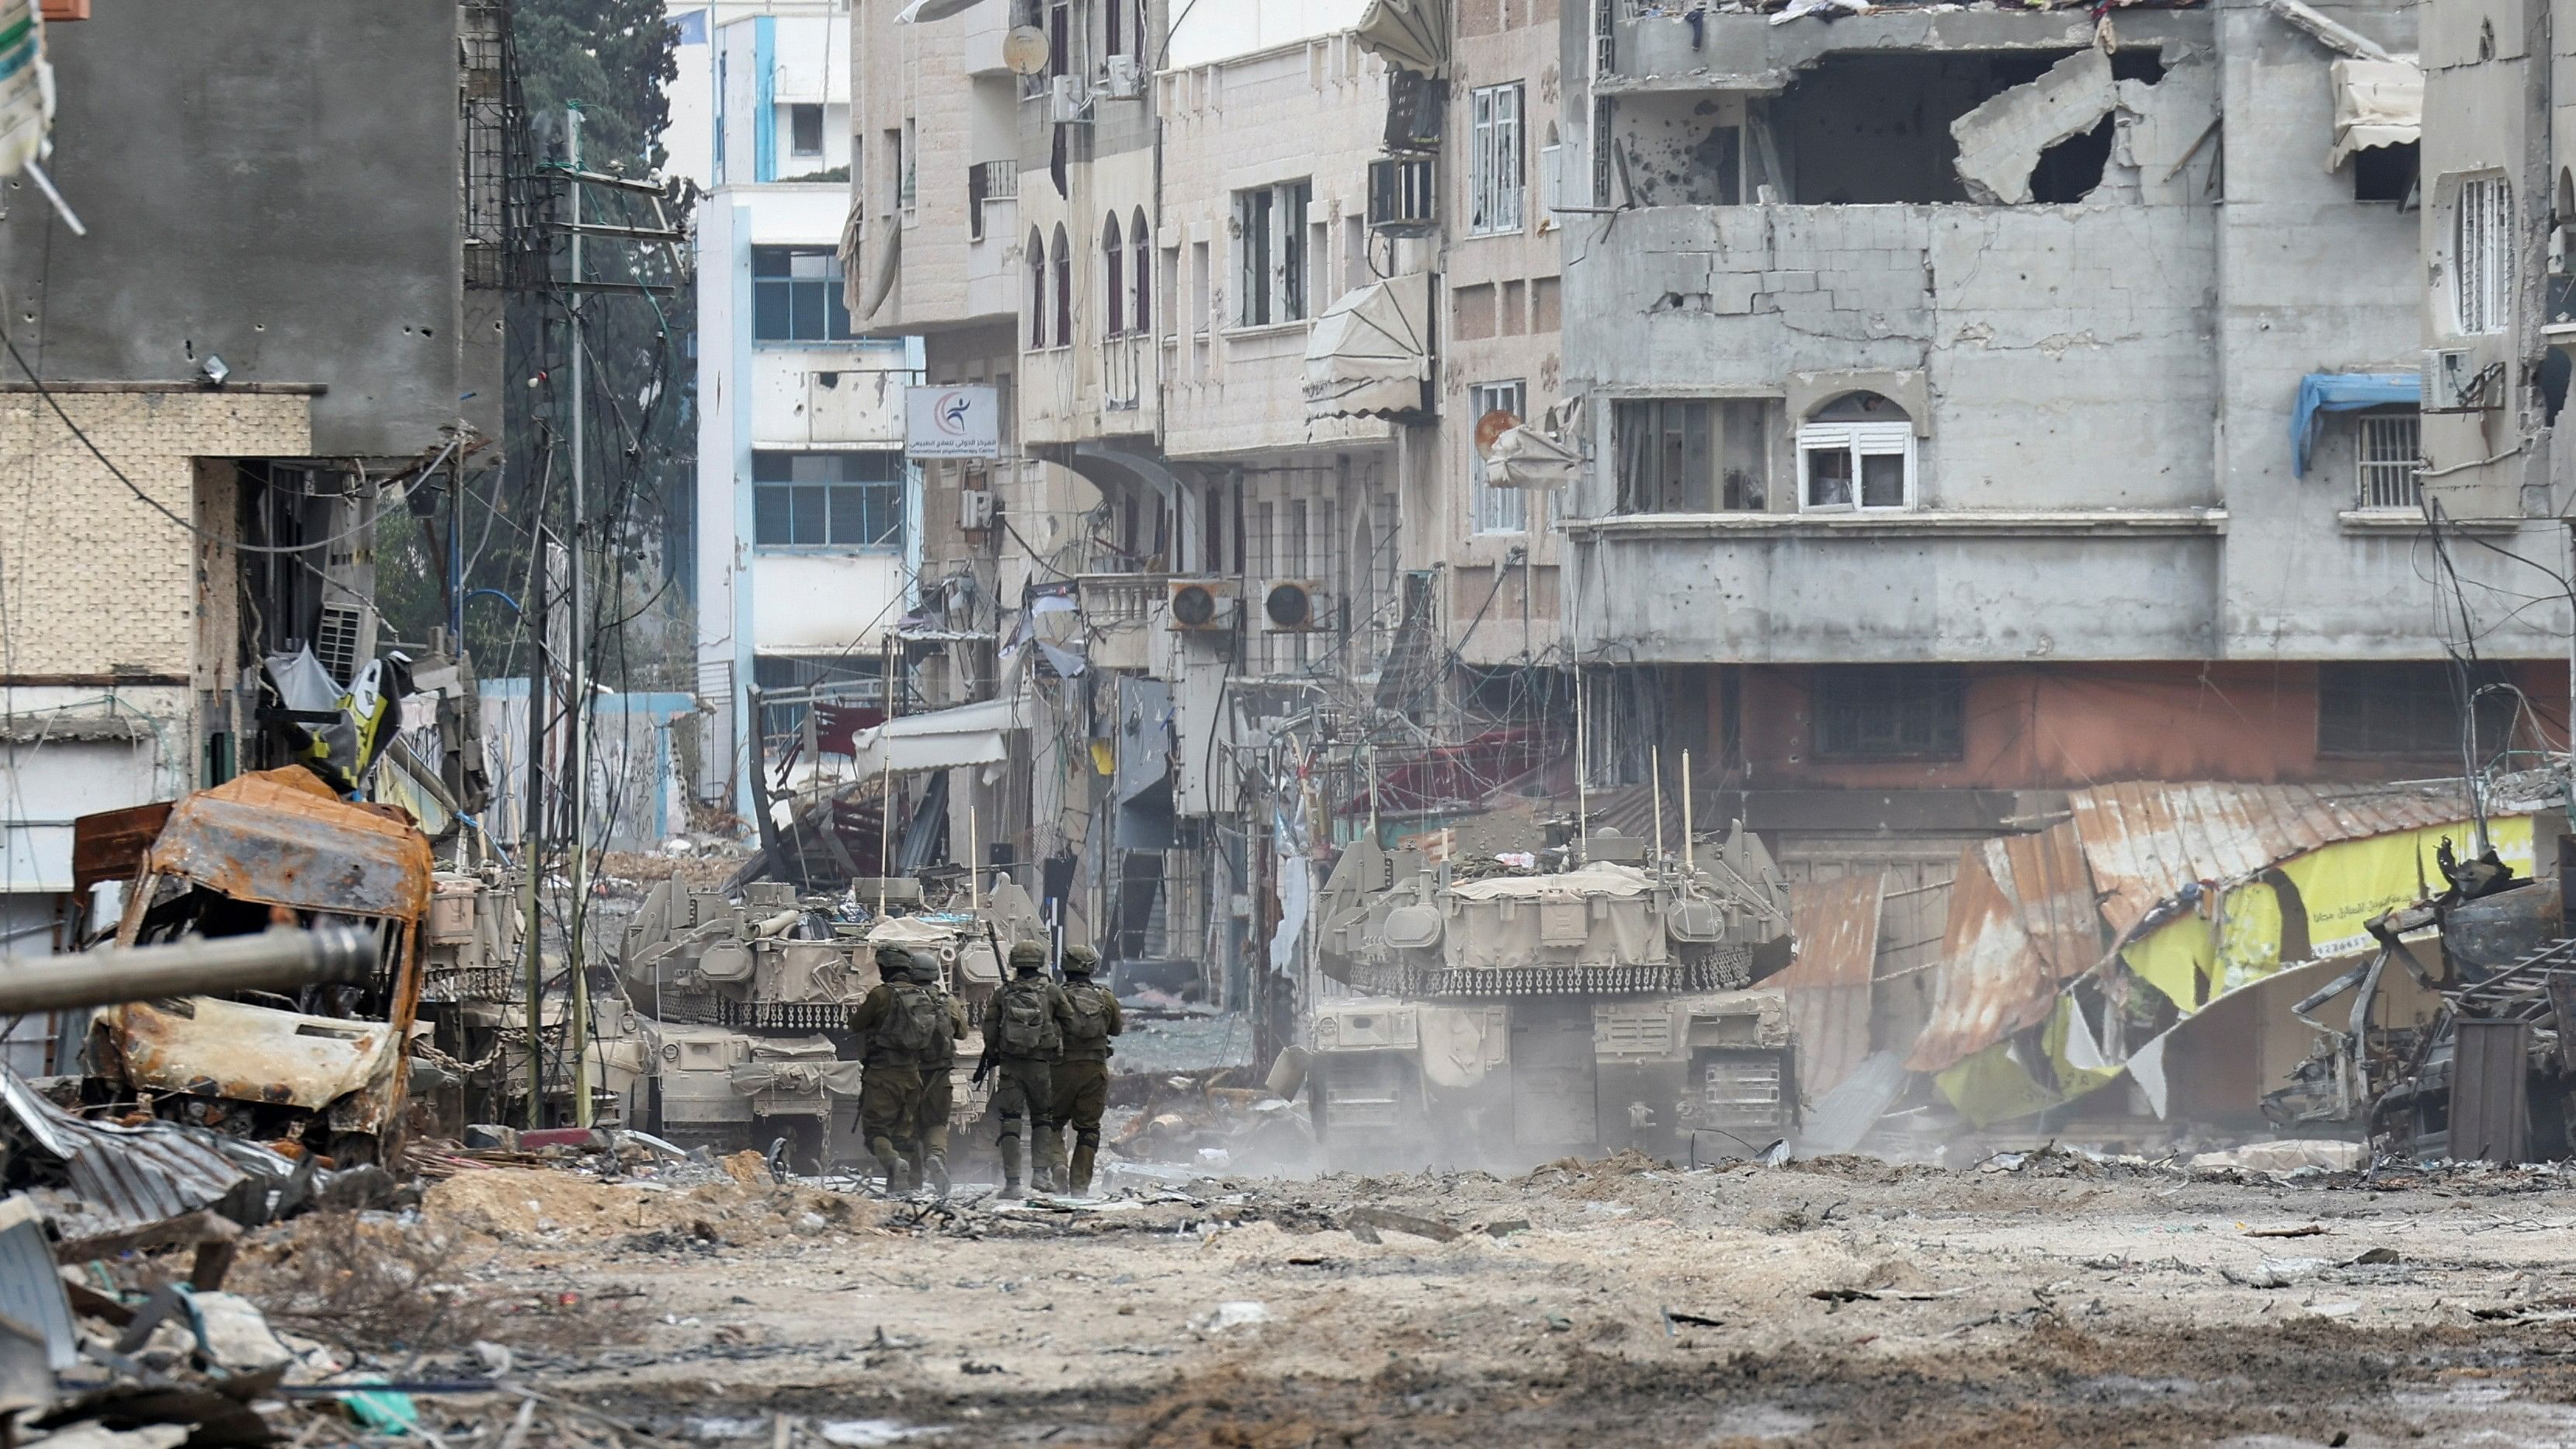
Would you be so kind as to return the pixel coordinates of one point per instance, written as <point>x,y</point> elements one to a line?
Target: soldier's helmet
<point>893,962</point>
<point>1027,955</point>
<point>1080,960</point>
<point>925,969</point>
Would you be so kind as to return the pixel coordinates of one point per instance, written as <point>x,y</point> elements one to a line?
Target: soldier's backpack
<point>918,1021</point>
<point>1027,1027</point>
<point>1090,1015</point>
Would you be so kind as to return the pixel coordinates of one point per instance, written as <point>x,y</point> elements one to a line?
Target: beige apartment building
<point>1244,289</point>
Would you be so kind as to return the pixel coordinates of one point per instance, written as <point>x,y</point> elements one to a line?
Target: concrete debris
<point>2287,1156</point>
<point>2001,141</point>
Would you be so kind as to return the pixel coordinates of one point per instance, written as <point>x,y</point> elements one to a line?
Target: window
<point>796,295</point>
<point>1857,453</point>
<point>1037,290</point>
<point>1113,252</point>
<point>907,160</point>
<point>827,500</point>
<point>1693,455</point>
<point>1495,510</point>
<point>1060,38</point>
<point>988,181</point>
<point>805,130</point>
<point>2482,254</point>
<point>1494,173</point>
<point>1270,244</point>
<point>2385,173</point>
<point>2409,708</point>
<point>1141,239</point>
<point>2390,458</point>
<point>1890,712</point>
<point>1063,281</point>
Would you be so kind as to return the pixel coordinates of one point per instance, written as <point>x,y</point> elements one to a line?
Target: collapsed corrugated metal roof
<point>1828,985</point>
<point>113,1179</point>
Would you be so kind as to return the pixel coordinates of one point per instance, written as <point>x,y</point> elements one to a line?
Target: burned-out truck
<point>324,1068</point>
<point>1512,1015</point>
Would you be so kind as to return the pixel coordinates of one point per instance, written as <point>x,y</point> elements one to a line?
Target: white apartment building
<point>807,534</point>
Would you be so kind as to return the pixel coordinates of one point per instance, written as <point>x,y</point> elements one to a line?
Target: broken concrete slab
<point>2001,141</point>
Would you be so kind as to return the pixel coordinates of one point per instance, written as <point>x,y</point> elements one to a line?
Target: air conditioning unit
<point>1122,79</point>
<point>345,640</point>
<point>1068,100</point>
<point>1402,196</point>
<point>1203,606</point>
<point>975,509</point>
<point>2454,383</point>
<point>1296,606</point>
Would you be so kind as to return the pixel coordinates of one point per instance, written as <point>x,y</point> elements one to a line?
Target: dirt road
<point>1841,1302</point>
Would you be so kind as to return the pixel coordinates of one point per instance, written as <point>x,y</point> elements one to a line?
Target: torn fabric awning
<point>944,739</point>
<point>1370,352</point>
<point>1410,33</point>
<point>2377,103</point>
<point>2343,392</point>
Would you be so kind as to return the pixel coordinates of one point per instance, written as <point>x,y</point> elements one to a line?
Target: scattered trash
<point>2296,1230</point>
<point>1673,1316</point>
<point>1242,1313</point>
<point>2275,1272</point>
<point>2286,1156</point>
<point>867,1433</point>
<point>1364,1223</point>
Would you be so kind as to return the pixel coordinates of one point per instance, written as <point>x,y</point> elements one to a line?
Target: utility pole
<point>532,831</point>
<point>577,1027</point>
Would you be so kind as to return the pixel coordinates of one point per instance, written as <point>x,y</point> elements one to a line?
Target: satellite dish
<point>1025,50</point>
<point>1491,426</point>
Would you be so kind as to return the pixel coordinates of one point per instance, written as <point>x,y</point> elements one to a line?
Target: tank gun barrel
<point>279,959</point>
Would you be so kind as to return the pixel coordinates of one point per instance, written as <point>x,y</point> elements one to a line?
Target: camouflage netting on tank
<point>1729,968</point>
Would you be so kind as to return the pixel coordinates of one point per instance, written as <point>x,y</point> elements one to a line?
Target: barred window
<point>1891,712</point>
<point>2389,459</point>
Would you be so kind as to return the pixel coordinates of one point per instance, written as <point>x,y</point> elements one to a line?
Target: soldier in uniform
<point>1082,1075</point>
<point>928,1137</point>
<point>1023,1034</point>
<point>890,1023</point>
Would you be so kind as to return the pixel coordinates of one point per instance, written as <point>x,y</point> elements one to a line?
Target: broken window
<point>1270,246</point>
<point>1494,179</point>
<point>2385,173</point>
<point>2411,708</point>
<point>1496,510</point>
<point>2481,254</point>
<point>2390,459</point>
<point>1890,712</point>
<point>1857,452</point>
<point>1693,455</point>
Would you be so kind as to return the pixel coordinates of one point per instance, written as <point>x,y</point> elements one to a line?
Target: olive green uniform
<point>1082,1080</point>
<point>1024,1090</point>
<point>889,1085</point>
<point>927,1132</point>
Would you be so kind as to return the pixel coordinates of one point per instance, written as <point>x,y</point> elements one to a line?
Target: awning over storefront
<point>1370,352</point>
<point>944,739</point>
<point>2344,392</point>
<point>2377,103</point>
<point>1410,33</point>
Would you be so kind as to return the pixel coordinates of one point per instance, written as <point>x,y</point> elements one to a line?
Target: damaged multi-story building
<point>1985,403</point>
<point>257,314</point>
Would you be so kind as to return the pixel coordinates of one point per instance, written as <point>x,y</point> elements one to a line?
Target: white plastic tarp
<point>1370,352</point>
<point>2377,103</point>
<point>1600,878</point>
<point>1524,457</point>
<point>944,739</point>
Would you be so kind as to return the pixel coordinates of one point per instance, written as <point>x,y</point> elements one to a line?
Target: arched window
<point>1856,451</point>
<point>1063,288</point>
<point>1037,290</point>
<point>1113,251</point>
<point>1142,239</point>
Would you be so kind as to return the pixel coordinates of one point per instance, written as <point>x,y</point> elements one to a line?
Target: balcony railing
<point>1124,369</point>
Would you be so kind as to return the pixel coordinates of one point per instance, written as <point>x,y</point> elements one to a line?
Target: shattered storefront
<point>2136,938</point>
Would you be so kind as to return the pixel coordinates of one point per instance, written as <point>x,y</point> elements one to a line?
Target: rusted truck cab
<point>325,1070</point>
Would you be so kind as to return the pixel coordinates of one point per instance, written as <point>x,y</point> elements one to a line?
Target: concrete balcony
<point>1897,586</point>
<point>1124,615</point>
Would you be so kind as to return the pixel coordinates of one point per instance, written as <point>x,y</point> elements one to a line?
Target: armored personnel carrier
<point>743,1005</point>
<point>1511,1015</point>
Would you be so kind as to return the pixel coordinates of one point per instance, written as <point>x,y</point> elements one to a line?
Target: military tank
<point>742,1004</point>
<point>1598,998</point>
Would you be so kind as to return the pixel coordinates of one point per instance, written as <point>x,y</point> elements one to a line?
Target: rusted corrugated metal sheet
<point>109,845</point>
<point>279,837</point>
<point>1828,985</point>
<point>2145,842</point>
<point>1992,981</point>
<point>2045,878</point>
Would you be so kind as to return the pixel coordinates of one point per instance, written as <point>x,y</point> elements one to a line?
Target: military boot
<point>890,1163</point>
<point>1084,1153</point>
<point>935,1171</point>
<point>1011,1167</point>
<point>1051,1164</point>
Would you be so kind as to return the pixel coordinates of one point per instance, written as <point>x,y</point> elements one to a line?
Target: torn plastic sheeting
<point>2343,392</point>
<point>1524,457</point>
<point>2377,103</point>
